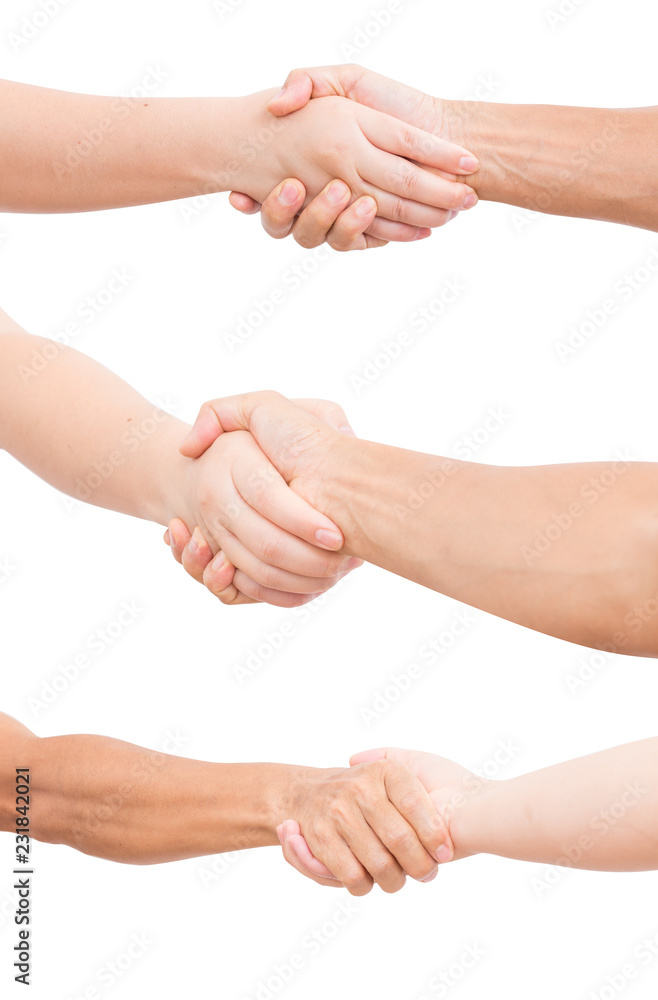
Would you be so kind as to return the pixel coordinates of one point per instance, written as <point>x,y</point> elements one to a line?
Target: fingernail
<point>443,854</point>
<point>167,537</point>
<point>347,431</point>
<point>422,234</point>
<point>470,201</point>
<point>431,876</point>
<point>337,192</point>
<point>195,541</point>
<point>289,194</point>
<point>331,539</point>
<point>469,163</point>
<point>365,206</point>
<point>219,562</point>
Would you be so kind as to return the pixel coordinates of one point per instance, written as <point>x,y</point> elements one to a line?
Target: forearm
<point>64,152</point>
<point>592,163</point>
<point>86,431</point>
<point>598,812</point>
<point>125,803</point>
<point>567,550</point>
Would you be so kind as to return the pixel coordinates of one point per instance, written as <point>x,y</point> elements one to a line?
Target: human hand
<point>370,823</point>
<point>379,93</point>
<point>330,218</point>
<point>451,788</point>
<point>302,438</point>
<point>254,539</point>
<point>411,175</point>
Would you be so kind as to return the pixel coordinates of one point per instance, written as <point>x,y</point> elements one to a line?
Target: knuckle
<point>269,550</point>
<point>457,196</point>
<point>409,181</point>
<point>402,841</point>
<point>357,886</point>
<point>394,884</point>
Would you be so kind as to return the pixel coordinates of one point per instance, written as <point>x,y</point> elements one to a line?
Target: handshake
<point>254,531</point>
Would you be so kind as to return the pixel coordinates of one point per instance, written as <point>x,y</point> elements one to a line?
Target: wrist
<point>474,817</point>
<point>170,479</point>
<point>463,122</point>
<point>239,140</point>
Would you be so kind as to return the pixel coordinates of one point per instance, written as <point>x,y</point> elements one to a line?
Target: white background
<point>529,279</point>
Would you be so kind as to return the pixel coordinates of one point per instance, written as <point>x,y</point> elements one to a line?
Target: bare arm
<point>598,812</point>
<point>569,550</point>
<point>65,152</point>
<point>125,803</point>
<point>595,163</point>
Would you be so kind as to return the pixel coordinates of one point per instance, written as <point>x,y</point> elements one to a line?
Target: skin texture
<point>111,799</point>
<point>569,550</point>
<point>114,449</point>
<point>597,812</point>
<point>592,163</point>
<point>64,152</point>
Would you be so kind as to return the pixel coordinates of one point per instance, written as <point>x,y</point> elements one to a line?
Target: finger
<point>196,555</point>
<point>265,491</point>
<point>385,231</point>
<point>254,593</point>
<point>311,228</point>
<point>270,576</point>
<point>329,412</point>
<point>373,855</point>
<point>289,852</point>
<point>411,143</point>
<point>340,859</point>
<point>413,802</point>
<point>295,93</point>
<point>290,833</point>
<point>244,203</point>
<point>179,536</point>
<point>217,575</point>
<point>280,208</point>
<point>443,850</point>
<point>207,428</point>
<point>348,232</point>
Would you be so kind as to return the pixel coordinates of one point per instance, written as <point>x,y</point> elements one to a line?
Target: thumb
<point>207,428</point>
<point>295,94</point>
